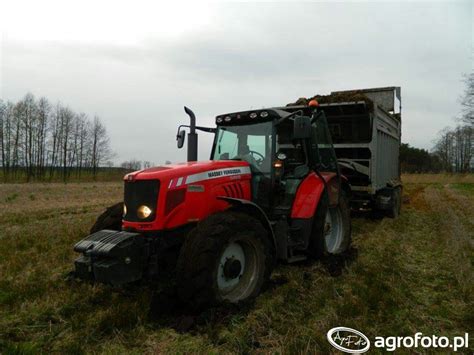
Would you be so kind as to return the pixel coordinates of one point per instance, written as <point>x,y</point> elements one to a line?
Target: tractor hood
<point>192,171</point>
<point>178,194</point>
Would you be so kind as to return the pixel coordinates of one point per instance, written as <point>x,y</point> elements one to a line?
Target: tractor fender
<point>312,188</point>
<point>307,196</point>
<point>253,210</point>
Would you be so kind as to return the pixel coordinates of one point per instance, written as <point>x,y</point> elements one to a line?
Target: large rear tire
<point>332,229</point>
<point>110,219</point>
<point>227,257</point>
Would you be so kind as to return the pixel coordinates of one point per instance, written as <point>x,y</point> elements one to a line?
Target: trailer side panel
<point>385,170</point>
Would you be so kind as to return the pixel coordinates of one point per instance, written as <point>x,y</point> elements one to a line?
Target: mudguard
<point>307,196</point>
<point>254,210</point>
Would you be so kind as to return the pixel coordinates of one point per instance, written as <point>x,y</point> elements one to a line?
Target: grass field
<point>413,274</point>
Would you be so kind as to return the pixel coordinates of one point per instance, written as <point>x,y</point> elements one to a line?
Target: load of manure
<point>335,97</point>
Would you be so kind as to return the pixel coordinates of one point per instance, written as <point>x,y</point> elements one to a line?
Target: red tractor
<point>270,192</point>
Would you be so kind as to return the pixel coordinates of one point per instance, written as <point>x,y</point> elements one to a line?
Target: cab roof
<point>251,116</point>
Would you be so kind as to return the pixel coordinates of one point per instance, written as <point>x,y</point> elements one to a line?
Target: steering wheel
<point>259,157</point>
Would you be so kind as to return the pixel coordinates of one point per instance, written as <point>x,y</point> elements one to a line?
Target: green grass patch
<point>464,187</point>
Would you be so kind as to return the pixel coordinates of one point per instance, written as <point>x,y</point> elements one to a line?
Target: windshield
<point>251,143</point>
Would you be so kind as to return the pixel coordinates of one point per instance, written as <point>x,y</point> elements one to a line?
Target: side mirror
<point>180,138</point>
<point>302,127</point>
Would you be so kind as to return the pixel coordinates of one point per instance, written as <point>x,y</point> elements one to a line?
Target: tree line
<point>134,165</point>
<point>453,149</point>
<point>43,141</point>
<point>455,146</point>
<point>416,160</point>
<point>452,153</point>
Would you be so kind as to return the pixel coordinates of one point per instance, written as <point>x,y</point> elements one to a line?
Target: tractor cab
<point>282,146</point>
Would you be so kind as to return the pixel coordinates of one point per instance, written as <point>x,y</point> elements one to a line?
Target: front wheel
<point>111,218</point>
<point>227,257</point>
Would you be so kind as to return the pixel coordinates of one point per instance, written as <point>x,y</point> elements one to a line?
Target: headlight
<point>124,210</point>
<point>143,212</point>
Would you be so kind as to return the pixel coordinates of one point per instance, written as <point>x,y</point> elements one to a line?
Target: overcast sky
<point>135,64</point>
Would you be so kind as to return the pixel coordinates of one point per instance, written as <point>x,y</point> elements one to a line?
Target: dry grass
<point>438,178</point>
<point>411,274</point>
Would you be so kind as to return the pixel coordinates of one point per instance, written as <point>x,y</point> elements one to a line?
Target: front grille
<point>138,193</point>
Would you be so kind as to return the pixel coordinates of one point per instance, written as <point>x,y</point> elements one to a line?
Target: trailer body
<point>366,136</point>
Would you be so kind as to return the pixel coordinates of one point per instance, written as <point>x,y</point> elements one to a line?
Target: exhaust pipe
<point>192,136</point>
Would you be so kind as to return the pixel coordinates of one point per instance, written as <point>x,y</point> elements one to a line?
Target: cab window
<point>251,143</point>
<point>322,147</point>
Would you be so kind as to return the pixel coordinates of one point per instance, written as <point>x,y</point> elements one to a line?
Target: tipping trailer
<point>365,127</point>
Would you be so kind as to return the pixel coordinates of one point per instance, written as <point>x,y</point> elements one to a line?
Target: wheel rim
<point>333,232</point>
<point>237,270</point>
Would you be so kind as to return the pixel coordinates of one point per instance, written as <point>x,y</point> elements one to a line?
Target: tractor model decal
<point>208,175</point>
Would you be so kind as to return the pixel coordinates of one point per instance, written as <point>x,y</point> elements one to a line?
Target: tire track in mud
<point>435,257</point>
<point>415,197</point>
<point>463,205</point>
<point>457,240</point>
<point>454,212</point>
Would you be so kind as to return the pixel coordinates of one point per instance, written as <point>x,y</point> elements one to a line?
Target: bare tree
<point>6,112</point>
<point>55,136</point>
<point>100,145</point>
<point>66,120</point>
<point>17,137</point>
<point>43,112</point>
<point>454,147</point>
<point>35,136</point>
<point>3,114</point>
<point>83,134</point>
<point>467,100</point>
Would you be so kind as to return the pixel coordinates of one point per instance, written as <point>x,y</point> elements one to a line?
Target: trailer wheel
<point>331,228</point>
<point>395,209</point>
<point>227,257</point>
<point>110,219</point>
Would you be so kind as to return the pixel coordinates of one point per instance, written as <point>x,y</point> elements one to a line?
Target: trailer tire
<point>227,257</point>
<point>110,219</point>
<point>332,229</point>
<point>395,209</point>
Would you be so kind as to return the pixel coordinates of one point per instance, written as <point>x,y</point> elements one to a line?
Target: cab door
<point>323,154</point>
<point>323,157</point>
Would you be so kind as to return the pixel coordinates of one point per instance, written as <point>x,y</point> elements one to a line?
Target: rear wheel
<point>110,219</point>
<point>331,228</point>
<point>227,257</point>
